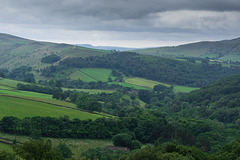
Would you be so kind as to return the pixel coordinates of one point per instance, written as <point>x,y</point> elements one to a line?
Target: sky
<point>123,23</point>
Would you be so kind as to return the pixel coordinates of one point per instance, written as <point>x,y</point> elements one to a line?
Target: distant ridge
<point>16,51</point>
<point>223,50</point>
<point>106,47</point>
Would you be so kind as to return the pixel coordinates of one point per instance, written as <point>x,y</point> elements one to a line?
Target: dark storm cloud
<point>116,9</point>
<point>194,18</point>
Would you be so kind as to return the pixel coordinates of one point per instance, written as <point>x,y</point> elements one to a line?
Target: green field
<point>10,83</point>
<point>144,82</point>
<point>21,108</point>
<point>92,74</point>
<point>183,89</point>
<point>25,93</point>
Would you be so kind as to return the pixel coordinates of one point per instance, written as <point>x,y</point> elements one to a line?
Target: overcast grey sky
<point>127,23</point>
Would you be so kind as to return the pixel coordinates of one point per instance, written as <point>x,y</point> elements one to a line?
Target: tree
<point>38,150</point>
<point>65,150</point>
<point>122,140</point>
<point>87,102</point>
<point>135,145</point>
<point>2,74</point>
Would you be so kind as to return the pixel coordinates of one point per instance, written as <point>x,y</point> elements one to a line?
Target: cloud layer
<point>117,21</point>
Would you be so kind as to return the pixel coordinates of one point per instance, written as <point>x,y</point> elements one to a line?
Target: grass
<point>5,147</point>
<point>144,82</point>
<point>183,89</point>
<point>10,83</point>
<point>26,94</point>
<point>83,76</point>
<point>21,108</point>
<point>92,74</point>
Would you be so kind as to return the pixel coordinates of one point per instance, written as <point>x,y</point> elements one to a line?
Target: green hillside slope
<point>219,49</point>
<point>16,51</point>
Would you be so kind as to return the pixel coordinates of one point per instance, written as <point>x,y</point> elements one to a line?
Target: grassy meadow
<point>92,74</point>
<point>17,107</point>
<point>144,82</point>
<point>183,89</point>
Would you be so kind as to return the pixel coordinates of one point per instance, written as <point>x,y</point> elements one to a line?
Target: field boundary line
<point>88,75</point>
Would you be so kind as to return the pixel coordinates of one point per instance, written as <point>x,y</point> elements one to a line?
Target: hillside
<point>16,51</point>
<point>219,101</point>
<point>223,50</point>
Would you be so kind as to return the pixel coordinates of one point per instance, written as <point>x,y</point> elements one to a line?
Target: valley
<point>89,99</point>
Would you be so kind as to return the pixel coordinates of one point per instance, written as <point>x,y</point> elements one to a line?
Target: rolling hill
<point>219,100</point>
<point>16,51</point>
<point>223,50</point>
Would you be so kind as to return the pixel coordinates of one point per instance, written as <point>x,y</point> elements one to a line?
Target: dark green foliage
<point>49,71</point>
<point>102,154</point>
<point>160,88</point>
<point>135,144</point>
<point>216,101</point>
<point>50,59</point>
<point>87,102</point>
<point>2,74</point>
<point>8,156</point>
<point>169,152</point>
<point>65,150</point>
<point>230,151</point>
<point>22,73</point>
<point>38,150</point>
<point>122,140</point>
<point>39,89</point>
<point>155,68</point>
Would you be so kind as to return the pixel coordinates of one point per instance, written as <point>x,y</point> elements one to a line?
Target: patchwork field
<point>92,74</point>
<point>28,104</point>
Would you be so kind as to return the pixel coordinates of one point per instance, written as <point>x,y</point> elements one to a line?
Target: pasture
<point>183,89</point>
<point>144,82</point>
<point>18,107</point>
<point>92,74</point>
